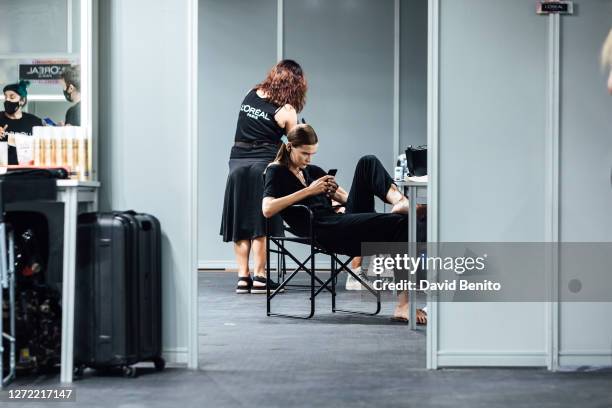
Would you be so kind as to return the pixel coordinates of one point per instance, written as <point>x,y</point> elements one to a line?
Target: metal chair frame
<point>337,266</point>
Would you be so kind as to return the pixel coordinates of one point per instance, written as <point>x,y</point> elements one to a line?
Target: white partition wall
<point>585,329</point>
<point>492,122</point>
<point>146,102</point>
<point>522,127</point>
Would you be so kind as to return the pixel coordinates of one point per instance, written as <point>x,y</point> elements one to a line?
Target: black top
<point>73,115</point>
<point>256,121</point>
<point>280,182</point>
<point>23,125</point>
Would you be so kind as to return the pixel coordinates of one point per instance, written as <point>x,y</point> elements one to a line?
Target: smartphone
<point>49,122</point>
<point>332,172</point>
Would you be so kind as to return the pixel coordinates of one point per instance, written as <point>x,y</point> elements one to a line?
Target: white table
<point>71,193</point>
<point>416,191</point>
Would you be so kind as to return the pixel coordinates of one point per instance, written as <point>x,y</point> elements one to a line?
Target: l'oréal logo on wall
<point>554,7</point>
<point>41,72</point>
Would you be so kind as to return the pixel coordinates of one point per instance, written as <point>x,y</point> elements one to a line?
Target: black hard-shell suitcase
<point>118,292</point>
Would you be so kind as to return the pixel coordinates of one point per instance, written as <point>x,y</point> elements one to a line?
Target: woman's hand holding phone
<point>332,187</point>
<point>321,185</point>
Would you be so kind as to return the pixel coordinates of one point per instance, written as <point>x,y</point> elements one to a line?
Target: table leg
<point>69,198</point>
<point>3,285</point>
<point>412,239</point>
<point>93,205</point>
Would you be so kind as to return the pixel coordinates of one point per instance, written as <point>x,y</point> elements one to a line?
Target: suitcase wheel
<point>160,363</point>
<point>78,371</point>
<point>129,371</point>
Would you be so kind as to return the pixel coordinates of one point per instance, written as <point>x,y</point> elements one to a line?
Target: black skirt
<point>242,217</point>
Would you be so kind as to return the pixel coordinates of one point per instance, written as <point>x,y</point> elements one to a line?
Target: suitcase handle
<point>146,225</point>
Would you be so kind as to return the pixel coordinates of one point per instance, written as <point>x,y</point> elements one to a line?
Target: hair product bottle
<point>37,132</point>
<point>47,148</point>
<point>82,154</point>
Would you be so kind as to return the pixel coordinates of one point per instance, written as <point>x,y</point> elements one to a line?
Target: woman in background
<point>13,119</point>
<point>268,112</point>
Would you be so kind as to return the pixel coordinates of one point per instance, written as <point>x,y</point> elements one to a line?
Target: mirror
<point>39,40</point>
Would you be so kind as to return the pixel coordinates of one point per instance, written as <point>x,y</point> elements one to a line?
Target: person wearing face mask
<point>71,82</point>
<point>13,119</point>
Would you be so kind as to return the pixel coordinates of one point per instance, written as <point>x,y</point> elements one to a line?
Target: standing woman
<point>13,119</point>
<point>267,113</point>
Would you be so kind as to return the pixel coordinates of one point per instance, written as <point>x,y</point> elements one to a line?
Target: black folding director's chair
<point>316,285</point>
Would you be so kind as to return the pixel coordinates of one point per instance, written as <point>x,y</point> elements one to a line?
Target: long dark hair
<point>285,84</point>
<point>300,135</point>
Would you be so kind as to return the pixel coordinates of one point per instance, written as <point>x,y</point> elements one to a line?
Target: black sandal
<point>262,289</point>
<point>243,289</point>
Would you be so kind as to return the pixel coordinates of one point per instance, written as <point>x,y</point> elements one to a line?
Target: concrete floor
<point>252,360</point>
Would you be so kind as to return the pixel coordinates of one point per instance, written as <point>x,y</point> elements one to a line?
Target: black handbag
<point>36,173</point>
<point>416,159</point>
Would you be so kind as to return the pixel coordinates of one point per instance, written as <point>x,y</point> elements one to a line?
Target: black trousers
<point>344,233</point>
<point>369,180</point>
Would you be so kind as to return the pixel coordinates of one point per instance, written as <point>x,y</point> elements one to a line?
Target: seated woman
<point>291,179</point>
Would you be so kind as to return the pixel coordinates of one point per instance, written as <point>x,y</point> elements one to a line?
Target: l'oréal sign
<point>41,72</point>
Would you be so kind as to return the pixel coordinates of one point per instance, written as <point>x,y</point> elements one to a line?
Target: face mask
<point>67,95</point>
<point>11,107</point>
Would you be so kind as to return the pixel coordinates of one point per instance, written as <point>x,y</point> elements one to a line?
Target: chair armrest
<point>310,215</point>
<point>304,208</point>
<point>307,212</point>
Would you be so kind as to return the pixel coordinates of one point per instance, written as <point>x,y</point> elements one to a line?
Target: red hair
<point>285,84</point>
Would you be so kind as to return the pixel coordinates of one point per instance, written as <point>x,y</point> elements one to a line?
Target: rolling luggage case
<point>118,292</point>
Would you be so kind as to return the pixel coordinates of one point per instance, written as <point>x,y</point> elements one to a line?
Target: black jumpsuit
<point>341,233</point>
<point>257,140</point>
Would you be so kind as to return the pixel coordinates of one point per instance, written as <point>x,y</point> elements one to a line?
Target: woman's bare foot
<point>401,313</point>
<point>421,317</point>
<point>401,207</point>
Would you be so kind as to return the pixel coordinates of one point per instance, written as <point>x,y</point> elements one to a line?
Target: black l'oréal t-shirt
<point>280,182</point>
<point>73,115</point>
<point>23,125</point>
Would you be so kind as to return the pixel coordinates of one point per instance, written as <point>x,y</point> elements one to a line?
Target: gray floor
<point>333,360</point>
